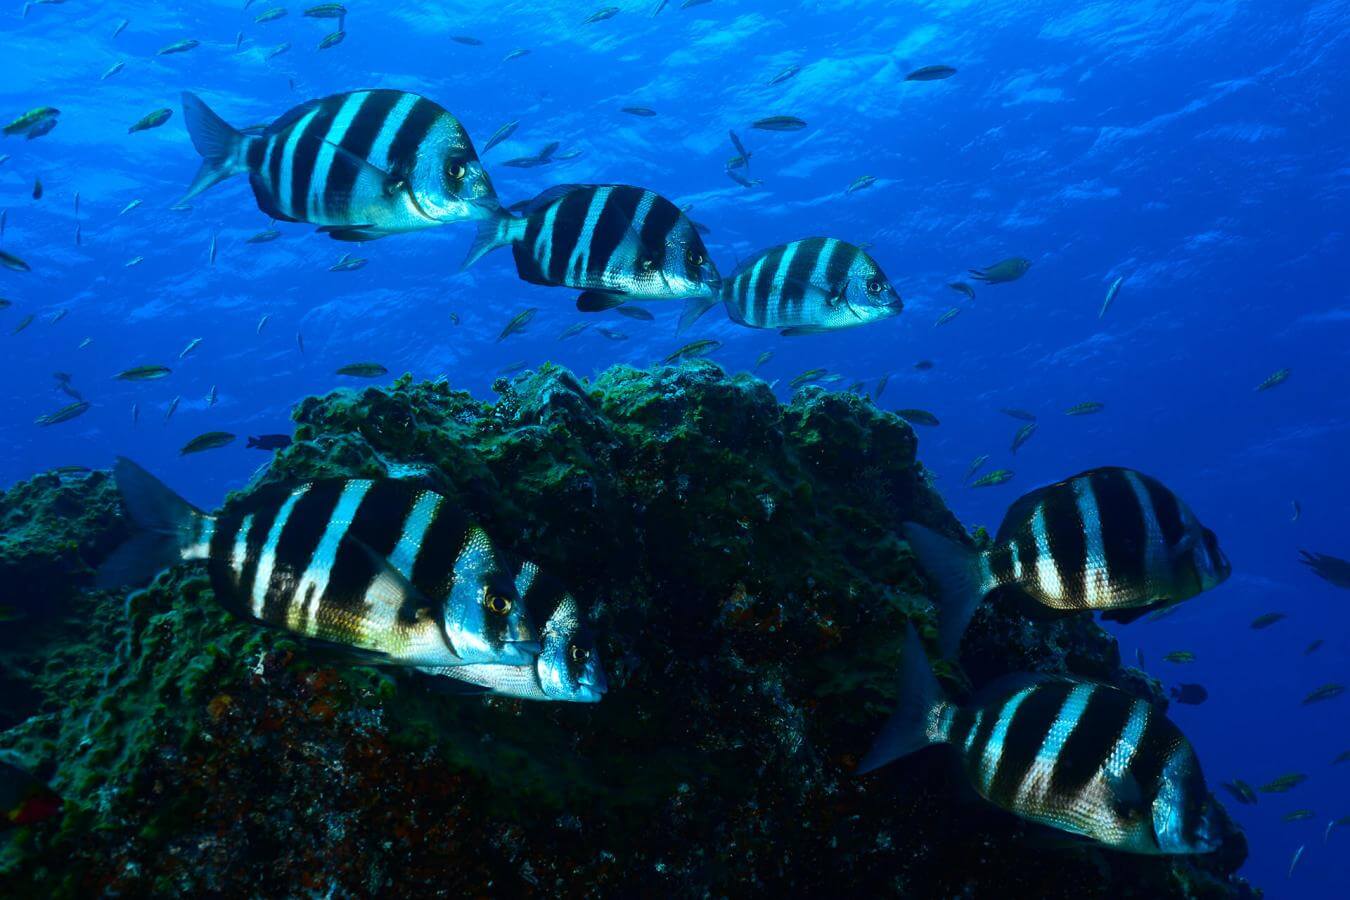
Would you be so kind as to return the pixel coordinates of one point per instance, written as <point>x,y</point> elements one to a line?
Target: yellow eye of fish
<point>874,286</point>
<point>456,169</point>
<point>498,603</point>
<point>580,654</point>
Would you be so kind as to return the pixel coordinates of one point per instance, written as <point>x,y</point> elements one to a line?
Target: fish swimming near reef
<point>360,165</point>
<point>391,572</point>
<point>568,667</point>
<point>1085,758</point>
<point>1109,539</point>
<point>809,286</point>
<point>1190,694</point>
<point>269,442</point>
<point>611,241</point>
<point>1003,271</point>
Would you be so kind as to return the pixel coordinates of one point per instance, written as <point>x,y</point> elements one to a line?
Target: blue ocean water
<point>1197,149</point>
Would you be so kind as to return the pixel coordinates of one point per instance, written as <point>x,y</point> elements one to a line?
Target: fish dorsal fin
<point>1022,509</point>
<point>1007,685</point>
<point>290,117</point>
<point>547,197</point>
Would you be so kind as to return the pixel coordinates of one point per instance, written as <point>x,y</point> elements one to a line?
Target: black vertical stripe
<point>357,141</point>
<point>307,153</point>
<point>1156,744</point>
<point>1124,532</point>
<point>275,145</point>
<point>799,277</point>
<point>256,154</point>
<point>1168,509</point>
<point>836,269</point>
<point>434,569</point>
<point>764,285</point>
<point>656,229</point>
<point>612,226</point>
<point>743,292</point>
<point>526,251</point>
<point>975,754</point>
<point>567,225</point>
<point>241,597</point>
<point>1098,729</point>
<point>295,549</point>
<point>411,134</point>
<point>222,543</point>
<point>1026,732</point>
<point>1000,563</point>
<point>1068,543</point>
<point>380,518</point>
<point>354,568</point>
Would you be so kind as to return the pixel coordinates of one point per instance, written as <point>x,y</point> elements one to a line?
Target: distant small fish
<point>262,323</point>
<point>779,123</point>
<point>1334,823</point>
<point>37,189</point>
<point>179,47</point>
<point>1019,414</point>
<point>270,15</point>
<point>363,370</point>
<point>269,442</point>
<point>1296,510</point>
<point>332,39</point>
<point>466,40</point>
<point>1267,620</point>
<point>862,182</point>
<point>1023,435</point>
<point>1283,783</point>
<point>635,312</point>
<point>742,155</point>
<point>13,263</point>
<point>763,358</point>
<point>135,413</point>
<point>924,365</point>
<point>300,342</point>
<point>640,111</point>
<point>85,343</point>
<point>211,440</point>
<point>173,408</point>
<point>512,368</point>
<point>263,237</point>
<point>1298,815</point>
<point>121,27</point>
<point>600,15</point>
<point>151,120</point>
<point>918,417</point>
<point>962,288</point>
<point>515,54</point>
<point>1343,757</point>
<point>326,11</point>
<point>211,252</point>
<point>1298,854</point>
<point>23,323</point>
<point>501,134</point>
<point>611,334</point>
<point>1003,271</point>
<point>1180,657</point>
<point>59,315</point>
<point>348,263</point>
<point>1086,408</point>
<point>947,316</point>
<point>1275,380</point>
<point>130,206</point>
<point>573,330</point>
<point>64,414</point>
<point>517,323</point>
<point>1190,694</point>
<point>1242,791</point>
<point>807,377</point>
<point>133,262</point>
<point>1325,692</point>
<point>192,345</point>
<point>931,73</point>
<point>144,373</point>
<point>881,385</point>
<point>693,350</point>
<point>112,70</point>
<point>35,120</point>
<point>1111,293</point>
<point>1313,647</point>
<point>975,466</point>
<point>785,74</point>
<point>1139,656</point>
<point>212,397</point>
<point>279,49</point>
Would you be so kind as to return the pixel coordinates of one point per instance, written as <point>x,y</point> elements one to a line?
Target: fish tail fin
<point>918,720</point>
<point>694,308</point>
<point>956,574</point>
<point>168,529</point>
<point>221,145</point>
<point>502,230</point>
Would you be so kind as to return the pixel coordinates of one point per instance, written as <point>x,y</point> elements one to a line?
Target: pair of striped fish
<point>1084,758</point>
<point>804,287</point>
<point>1109,539</point>
<point>361,165</point>
<point>388,571</point>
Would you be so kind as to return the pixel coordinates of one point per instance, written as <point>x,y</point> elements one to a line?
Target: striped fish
<point>568,668</point>
<point>613,241</point>
<point>1084,758</point>
<point>394,573</point>
<point>360,165</point>
<point>805,287</point>
<point>1108,539</point>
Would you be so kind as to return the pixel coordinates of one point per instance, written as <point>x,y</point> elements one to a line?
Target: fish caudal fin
<point>501,230</point>
<point>694,308</point>
<point>907,730</point>
<point>955,573</point>
<point>168,529</point>
<point>220,144</point>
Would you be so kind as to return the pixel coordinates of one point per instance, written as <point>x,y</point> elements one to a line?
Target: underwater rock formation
<point>742,567</point>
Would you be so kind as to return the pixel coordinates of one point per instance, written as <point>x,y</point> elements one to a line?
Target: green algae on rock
<point>741,563</point>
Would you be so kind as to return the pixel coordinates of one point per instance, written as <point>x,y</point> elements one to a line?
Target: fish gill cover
<point>1053,239</point>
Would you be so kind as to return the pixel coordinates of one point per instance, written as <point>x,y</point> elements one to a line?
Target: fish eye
<point>456,169</point>
<point>497,602</point>
<point>579,654</point>
<point>648,264</point>
<point>695,258</point>
<point>875,286</point>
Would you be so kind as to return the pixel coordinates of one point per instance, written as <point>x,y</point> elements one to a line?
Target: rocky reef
<point>742,567</point>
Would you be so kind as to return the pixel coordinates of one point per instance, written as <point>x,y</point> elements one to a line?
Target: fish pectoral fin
<point>353,233</point>
<point>1127,796</point>
<point>448,684</point>
<point>798,330</point>
<point>1134,613</point>
<point>546,197</point>
<point>363,656</point>
<point>598,301</point>
<point>413,604</point>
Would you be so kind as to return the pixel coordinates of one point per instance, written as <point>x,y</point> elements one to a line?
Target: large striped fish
<point>391,571</point>
<point>360,165</point>
<point>614,242</point>
<point>805,287</point>
<point>1085,758</point>
<point>568,667</point>
<point>1109,539</point>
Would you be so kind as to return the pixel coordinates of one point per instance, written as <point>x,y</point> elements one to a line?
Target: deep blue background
<point>1198,148</point>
